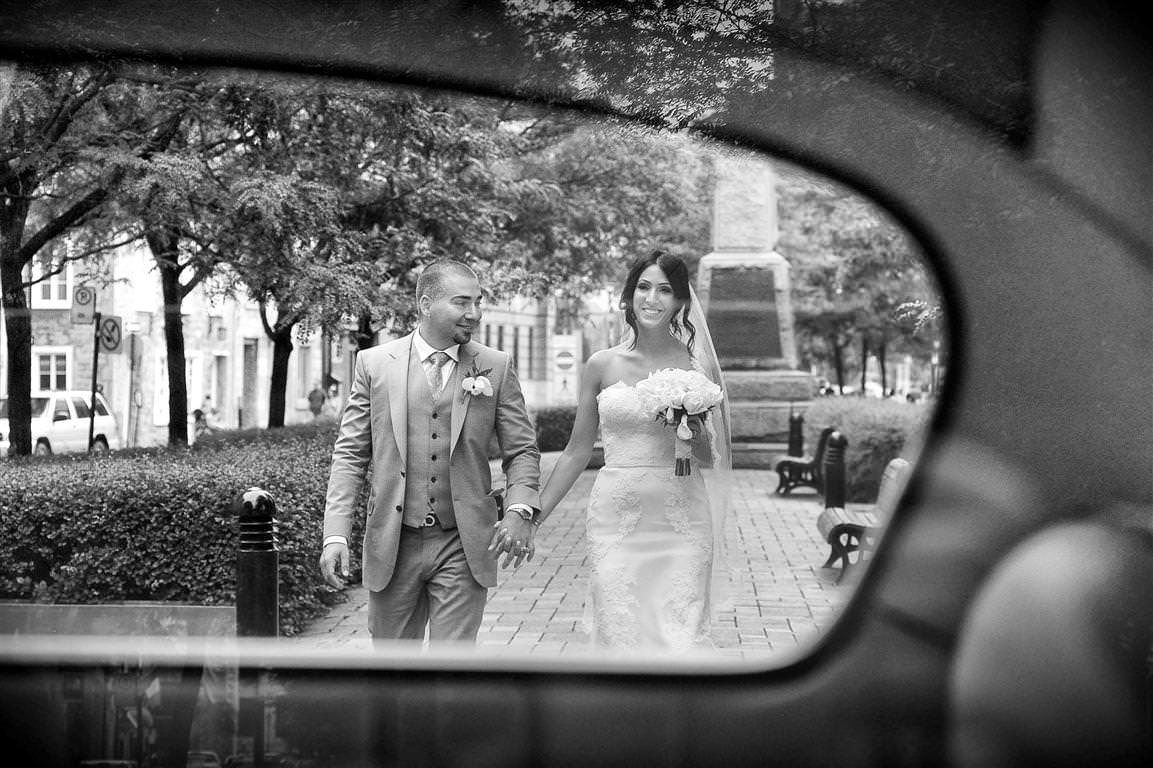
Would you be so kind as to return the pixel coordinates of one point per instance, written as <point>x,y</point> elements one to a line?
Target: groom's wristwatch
<point>524,511</point>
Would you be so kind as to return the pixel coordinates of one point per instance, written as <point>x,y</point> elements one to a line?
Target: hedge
<point>877,432</point>
<point>553,427</point>
<point>157,525</point>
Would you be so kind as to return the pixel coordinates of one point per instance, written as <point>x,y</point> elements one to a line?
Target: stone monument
<point>743,285</point>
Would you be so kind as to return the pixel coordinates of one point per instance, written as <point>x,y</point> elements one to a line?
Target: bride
<point>654,537</point>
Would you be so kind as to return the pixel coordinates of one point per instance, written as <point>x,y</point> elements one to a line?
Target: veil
<point>718,478</point>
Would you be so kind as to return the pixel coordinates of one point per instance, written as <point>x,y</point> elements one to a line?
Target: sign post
<point>95,363</point>
<point>108,335</point>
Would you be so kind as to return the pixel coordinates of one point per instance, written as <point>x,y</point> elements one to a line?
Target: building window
<point>488,334</point>
<point>49,291</point>
<point>516,348</point>
<point>500,337</point>
<point>51,366</point>
<point>531,357</point>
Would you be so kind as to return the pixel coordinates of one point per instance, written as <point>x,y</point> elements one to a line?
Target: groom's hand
<point>513,538</point>
<point>334,564</point>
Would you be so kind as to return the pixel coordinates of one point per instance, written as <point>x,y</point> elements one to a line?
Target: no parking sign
<point>83,305</point>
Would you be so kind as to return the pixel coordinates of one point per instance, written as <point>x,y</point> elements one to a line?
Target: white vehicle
<point>60,422</point>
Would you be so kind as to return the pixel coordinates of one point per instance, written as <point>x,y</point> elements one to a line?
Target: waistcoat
<point>427,486</point>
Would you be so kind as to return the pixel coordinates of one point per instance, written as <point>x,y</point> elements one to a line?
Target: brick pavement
<point>782,596</point>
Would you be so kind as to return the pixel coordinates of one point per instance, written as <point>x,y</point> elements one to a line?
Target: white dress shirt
<point>423,349</point>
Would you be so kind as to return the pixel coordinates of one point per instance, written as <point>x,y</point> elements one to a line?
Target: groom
<point>424,409</point>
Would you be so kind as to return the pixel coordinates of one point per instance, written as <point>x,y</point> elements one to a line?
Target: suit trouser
<point>432,585</point>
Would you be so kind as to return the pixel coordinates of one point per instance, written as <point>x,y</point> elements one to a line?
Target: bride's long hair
<point>678,274</point>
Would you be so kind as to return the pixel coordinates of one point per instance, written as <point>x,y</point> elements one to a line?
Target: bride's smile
<point>654,303</point>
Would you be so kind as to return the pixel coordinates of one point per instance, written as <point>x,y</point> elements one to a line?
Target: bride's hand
<point>513,538</point>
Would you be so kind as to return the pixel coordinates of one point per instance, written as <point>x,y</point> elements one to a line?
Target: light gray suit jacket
<point>374,427</point>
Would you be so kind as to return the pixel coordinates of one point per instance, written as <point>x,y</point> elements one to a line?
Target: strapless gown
<point>649,536</point>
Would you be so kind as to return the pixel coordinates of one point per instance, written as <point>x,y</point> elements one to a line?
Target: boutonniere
<point>476,382</point>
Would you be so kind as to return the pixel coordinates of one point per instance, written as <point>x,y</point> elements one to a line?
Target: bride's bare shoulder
<point>608,364</point>
<point>602,359</point>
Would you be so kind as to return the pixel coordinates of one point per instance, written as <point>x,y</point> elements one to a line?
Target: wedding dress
<point>649,533</point>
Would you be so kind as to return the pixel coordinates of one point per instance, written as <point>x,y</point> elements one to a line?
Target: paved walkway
<point>783,597</point>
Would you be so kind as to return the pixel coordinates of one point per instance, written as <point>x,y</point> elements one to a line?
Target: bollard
<point>257,605</point>
<point>257,562</point>
<point>796,433</point>
<point>833,470</point>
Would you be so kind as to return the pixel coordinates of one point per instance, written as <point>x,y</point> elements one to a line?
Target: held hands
<point>513,537</point>
<point>334,564</point>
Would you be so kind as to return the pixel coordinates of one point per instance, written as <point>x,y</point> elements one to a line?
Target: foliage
<point>158,525</point>
<point>877,432</point>
<point>855,276</point>
<point>553,427</point>
<point>70,135</point>
<point>610,191</point>
<point>669,63</point>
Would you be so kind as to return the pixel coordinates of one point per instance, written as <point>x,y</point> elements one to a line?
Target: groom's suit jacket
<point>374,428</point>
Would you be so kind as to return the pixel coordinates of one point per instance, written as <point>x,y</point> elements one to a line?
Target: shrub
<point>877,430</point>
<point>553,427</point>
<point>158,525</point>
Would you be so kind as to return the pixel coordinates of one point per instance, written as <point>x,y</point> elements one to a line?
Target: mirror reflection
<point>214,396</point>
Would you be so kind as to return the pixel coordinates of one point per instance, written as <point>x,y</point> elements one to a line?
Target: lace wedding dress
<point>649,535</point>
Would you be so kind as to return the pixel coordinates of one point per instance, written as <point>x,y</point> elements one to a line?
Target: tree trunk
<point>838,364</point>
<point>18,323</point>
<point>864,362</point>
<point>163,245</point>
<point>277,395</point>
<point>365,336</point>
<point>884,371</point>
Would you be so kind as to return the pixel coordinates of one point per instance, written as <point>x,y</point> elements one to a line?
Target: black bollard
<point>833,470</point>
<point>796,433</point>
<point>257,562</point>
<point>257,605</point>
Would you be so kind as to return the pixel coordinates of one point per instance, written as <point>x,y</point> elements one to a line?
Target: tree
<point>611,191</point>
<point>67,137</point>
<point>854,272</point>
<point>688,56</point>
<point>298,262</point>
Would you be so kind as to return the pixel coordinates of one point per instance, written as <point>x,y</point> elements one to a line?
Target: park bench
<point>850,529</point>
<point>796,471</point>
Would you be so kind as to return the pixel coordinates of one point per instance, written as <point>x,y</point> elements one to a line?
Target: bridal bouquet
<point>674,395</point>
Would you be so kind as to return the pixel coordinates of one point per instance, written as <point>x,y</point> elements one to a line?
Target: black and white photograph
<point>576,383</point>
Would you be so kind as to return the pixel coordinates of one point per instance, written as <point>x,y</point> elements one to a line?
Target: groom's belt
<point>430,521</point>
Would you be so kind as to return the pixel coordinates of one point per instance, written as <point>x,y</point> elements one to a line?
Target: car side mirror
<point>59,417</point>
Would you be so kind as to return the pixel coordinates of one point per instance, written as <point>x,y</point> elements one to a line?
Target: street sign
<point>110,333</point>
<point>564,360</point>
<point>83,305</point>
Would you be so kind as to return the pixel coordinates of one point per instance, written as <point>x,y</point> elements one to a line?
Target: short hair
<point>432,279</point>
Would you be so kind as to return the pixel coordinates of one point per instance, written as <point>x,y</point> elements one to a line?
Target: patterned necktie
<point>434,367</point>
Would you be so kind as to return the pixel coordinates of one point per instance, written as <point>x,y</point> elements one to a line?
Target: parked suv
<point>60,424</point>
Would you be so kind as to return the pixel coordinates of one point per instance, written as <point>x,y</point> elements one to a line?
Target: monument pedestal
<point>744,289</point>
<point>760,404</point>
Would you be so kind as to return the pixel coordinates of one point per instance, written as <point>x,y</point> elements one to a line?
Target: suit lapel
<point>460,399</point>
<point>396,374</point>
